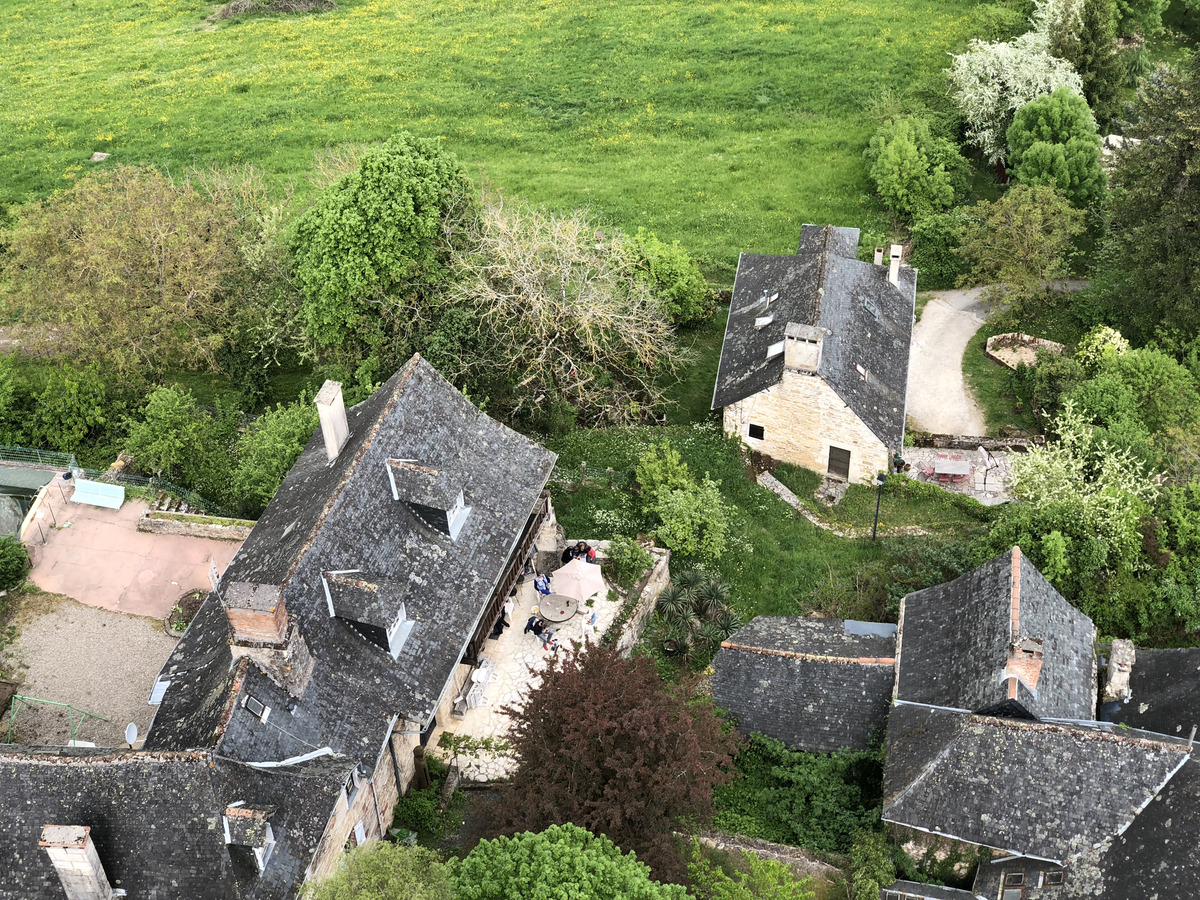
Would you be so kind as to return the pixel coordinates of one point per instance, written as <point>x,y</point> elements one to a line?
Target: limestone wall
<point>802,417</point>
<point>211,527</point>
<point>655,582</point>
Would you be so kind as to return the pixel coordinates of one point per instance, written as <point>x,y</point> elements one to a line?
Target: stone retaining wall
<point>1021,347</point>
<point>211,527</point>
<point>651,587</point>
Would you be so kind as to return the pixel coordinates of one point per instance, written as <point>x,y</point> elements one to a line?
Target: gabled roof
<point>867,321</point>
<point>814,684</point>
<point>913,890</point>
<point>1001,632</point>
<point>339,516</point>
<point>155,819</point>
<point>1031,789</point>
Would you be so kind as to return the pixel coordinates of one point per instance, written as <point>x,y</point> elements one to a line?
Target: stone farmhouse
<point>998,738</point>
<point>290,710</point>
<point>814,366</point>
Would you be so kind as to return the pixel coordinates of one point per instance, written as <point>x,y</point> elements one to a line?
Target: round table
<point>557,608</point>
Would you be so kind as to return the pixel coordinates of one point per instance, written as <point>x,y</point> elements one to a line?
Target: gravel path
<point>98,661</point>
<point>938,398</point>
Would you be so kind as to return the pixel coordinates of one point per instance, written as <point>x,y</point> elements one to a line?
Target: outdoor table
<point>557,608</point>
<point>952,467</point>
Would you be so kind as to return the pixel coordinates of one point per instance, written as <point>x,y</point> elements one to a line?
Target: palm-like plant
<point>692,615</point>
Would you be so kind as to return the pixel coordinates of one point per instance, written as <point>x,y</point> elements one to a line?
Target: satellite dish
<point>131,734</point>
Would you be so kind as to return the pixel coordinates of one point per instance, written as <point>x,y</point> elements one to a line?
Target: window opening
<point>757,432</point>
<point>839,463</point>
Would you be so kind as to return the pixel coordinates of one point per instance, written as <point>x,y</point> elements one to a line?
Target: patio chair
<point>928,473</point>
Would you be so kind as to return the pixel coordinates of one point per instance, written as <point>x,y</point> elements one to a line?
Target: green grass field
<point>725,126</point>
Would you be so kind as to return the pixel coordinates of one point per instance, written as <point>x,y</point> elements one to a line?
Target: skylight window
<point>257,707</point>
<point>870,306</point>
<point>775,349</point>
<point>262,855</point>
<point>1054,878</point>
<point>763,321</point>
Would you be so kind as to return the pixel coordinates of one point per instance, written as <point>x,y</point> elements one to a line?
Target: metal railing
<point>46,458</point>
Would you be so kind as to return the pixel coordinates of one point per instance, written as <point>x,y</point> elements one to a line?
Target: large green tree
<point>1149,278</point>
<point>564,862</point>
<point>1084,33</point>
<point>1053,141</point>
<point>366,253</point>
<point>914,171</point>
<point>267,450</point>
<point>386,871</point>
<point>127,268</point>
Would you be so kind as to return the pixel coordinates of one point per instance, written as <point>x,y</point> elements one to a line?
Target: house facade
<point>814,364</point>
<point>999,737</point>
<point>289,712</point>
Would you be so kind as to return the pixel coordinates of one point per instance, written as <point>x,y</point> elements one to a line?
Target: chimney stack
<point>332,411</point>
<point>893,271</point>
<point>879,256</point>
<point>74,858</point>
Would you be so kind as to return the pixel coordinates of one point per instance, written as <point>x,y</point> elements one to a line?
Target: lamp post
<point>880,479</point>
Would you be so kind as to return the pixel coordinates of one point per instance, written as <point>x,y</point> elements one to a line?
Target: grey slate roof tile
<point>1165,692</point>
<point>869,321</point>
<point>956,638</point>
<point>803,682</point>
<point>1051,791</point>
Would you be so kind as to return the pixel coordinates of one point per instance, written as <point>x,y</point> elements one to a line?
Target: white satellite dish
<point>131,734</point>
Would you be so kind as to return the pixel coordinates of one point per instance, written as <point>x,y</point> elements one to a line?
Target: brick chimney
<point>262,629</point>
<point>74,858</point>
<point>332,412</point>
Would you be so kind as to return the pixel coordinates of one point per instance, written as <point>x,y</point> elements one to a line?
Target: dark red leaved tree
<point>605,744</point>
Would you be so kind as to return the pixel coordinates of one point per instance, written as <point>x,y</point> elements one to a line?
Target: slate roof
<point>1165,692</point>
<point>957,643</point>
<point>1155,858</point>
<point>1032,789</point>
<point>806,682</point>
<point>824,285</point>
<point>342,516</point>
<point>913,889</point>
<point>157,815</point>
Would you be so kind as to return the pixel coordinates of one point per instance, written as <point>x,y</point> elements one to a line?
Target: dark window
<point>756,432</point>
<point>1054,878</point>
<point>892,895</point>
<point>1014,879</point>
<point>428,732</point>
<point>839,463</point>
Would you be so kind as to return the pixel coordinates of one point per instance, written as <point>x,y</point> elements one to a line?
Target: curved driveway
<point>939,400</point>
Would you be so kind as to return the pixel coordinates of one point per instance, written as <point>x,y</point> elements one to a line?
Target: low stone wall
<point>802,864</point>
<point>650,587</point>
<point>187,525</point>
<point>974,442</point>
<point>1015,347</point>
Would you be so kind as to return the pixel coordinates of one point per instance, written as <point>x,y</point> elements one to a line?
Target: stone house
<point>814,365</point>
<point>289,712</point>
<point>998,739</point>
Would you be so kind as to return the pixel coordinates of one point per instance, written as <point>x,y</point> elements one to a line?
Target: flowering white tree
<point>1108,489</point>
<point>992,81</point>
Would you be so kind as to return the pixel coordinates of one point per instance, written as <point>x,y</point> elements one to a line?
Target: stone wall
<point>650,588</point>
<point>1014,347</point>
<point>802,417</point>
<point>212,527</point>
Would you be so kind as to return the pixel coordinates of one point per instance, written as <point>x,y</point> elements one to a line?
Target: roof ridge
<point>405,374</point>
<point>1091,733</point>
<point>797,654</point>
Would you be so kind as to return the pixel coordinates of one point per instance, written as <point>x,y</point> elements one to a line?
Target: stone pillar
<point>1120,664</point>
<point>73,854</point>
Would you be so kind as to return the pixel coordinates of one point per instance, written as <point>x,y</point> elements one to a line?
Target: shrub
<point>385,871</point>
<point>626,559</point>
<point>562,861</point>
<point>268,449</point>
<point>14,562</point>
<point>914,172</point>
<point>935,239</point>
<point>1100,344</point>
<point>674,279</point>
<point>693,520</point>
<point>1053,140</point>
<point>871,866</point>
<point>694,614</point>
<point>754,878</point>
<point>661,469</point>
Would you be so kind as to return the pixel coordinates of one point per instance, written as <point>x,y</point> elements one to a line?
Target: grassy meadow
<point>724,126</point>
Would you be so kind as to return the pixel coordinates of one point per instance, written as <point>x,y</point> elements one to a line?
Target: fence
<point>585,473</point>
<point>52,459</point>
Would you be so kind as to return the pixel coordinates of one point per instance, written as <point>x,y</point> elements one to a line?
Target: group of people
<point>582,550</point>
<point>541,583</point>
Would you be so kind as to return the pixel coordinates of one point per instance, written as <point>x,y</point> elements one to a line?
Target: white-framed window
<point>360,834</point>
<point>257,708</point>
<point>262,855</point>
<point>776,349</point>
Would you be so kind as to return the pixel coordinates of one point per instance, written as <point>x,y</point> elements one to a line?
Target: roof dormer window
<point>763,321</point>
<point>374,610</point>
<point>434,496</point>
<point>249,829</point>
<point>776,349</point>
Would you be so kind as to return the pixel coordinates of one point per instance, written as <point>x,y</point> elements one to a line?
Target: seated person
<point>541,584</point>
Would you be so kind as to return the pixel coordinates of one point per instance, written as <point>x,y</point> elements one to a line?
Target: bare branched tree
<point>557,304</point>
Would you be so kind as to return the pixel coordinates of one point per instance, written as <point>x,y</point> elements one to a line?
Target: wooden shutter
<point>839,463</point>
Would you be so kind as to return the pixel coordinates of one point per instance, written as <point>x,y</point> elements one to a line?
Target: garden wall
<point>1015,347</point>
<point>650,587</point>
<point>214,528</point>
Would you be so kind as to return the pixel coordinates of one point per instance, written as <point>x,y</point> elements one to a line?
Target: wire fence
<point>52,459</point>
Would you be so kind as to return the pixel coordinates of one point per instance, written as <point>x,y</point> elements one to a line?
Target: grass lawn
<point>775,559</point>
<point>691,397</point>
<point>991,384</point>
<point>725,126</point>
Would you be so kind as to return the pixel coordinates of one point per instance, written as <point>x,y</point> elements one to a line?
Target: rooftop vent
<point>434,496</point>
<point>879,256</point>
<point>871,307</point>
<point>332,412</point>
<point>74,858</point>
<point>763,321</point>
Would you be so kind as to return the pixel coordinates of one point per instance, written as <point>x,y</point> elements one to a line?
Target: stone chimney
<point>893,270</point>
<point>802,347</point>
<point>879,256</point>
<point>74,858</point>
<point>262,630</point>
<point>1121,657</point>
<point>332,411</point>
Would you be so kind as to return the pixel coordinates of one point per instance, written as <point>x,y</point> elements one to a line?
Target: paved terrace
<point>98,557</point>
